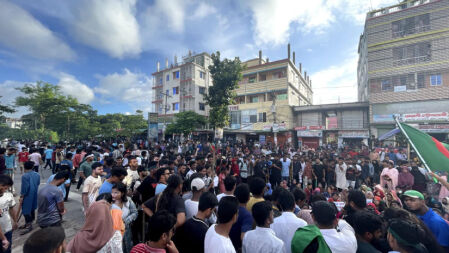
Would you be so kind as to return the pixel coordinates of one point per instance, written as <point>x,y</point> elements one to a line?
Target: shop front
<point>309,138</point>
<point>353,138</point>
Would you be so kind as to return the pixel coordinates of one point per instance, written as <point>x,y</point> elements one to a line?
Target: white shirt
<point>262,240</point>
<point>341,175</point>
<point>285,227</point>
<point>221,195</point>
<point>6,202</point>
<point>191,208</point>
<point>216,243</point>
<point>343,241</point>
<point>35,157</point>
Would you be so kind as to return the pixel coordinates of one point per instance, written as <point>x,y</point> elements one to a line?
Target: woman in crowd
<point>129,212</point>
<point>97,234</point>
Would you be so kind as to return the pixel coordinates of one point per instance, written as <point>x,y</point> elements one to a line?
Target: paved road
<point>73,219</point>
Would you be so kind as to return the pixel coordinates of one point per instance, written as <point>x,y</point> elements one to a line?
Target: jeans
<point>36,168</point>
<point>48,163</point>
<point>8,236</point>
<point>80,182</point>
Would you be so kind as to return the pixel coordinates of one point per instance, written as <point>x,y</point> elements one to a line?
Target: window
<point>202,90</point>
<point>262,117</point>
<point>252,79</point>
<point>175,90</point>
<point>412,54</point>
<point>167,78</point>
<point>282,96</point>
<point>240,99</point>
<point>254,99</point>
<point>160,80</point>
<point>249,116</point>
<point>435,80</point>
<point>202,75</point>
<point>167,92</point>
<point>202,106</point>
<point>262,77</point>
<point>386,85</point>
<point>412,25</point>
<point>421,81</point>
<point>175,107</point>
<point>279,74</point>
<point>235,117</point>
<point>176,75</point>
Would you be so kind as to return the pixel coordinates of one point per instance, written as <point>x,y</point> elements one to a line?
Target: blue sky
<point>103,52</point>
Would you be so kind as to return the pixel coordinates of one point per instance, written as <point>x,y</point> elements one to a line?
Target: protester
<point>162,175</point>
<point>50,202</point>
<point>7,216</point>
<point>230,182</point>
<point>404,236</point>
<point>92,185</point>
<point>257,189</point>
<point>129,212</point>
<point>85,169</point>
<point>245,220</point>
<point>217,237</point>
<point>46,240</point>
<point>197,185</point>
<point>286,225</point>
<point>116,176</point>
<point>28,196</point>
<point>368,228</point>
<point>23,157</point>
<point>97,234</point>
<point>263,238</point>
<point>190,237</point>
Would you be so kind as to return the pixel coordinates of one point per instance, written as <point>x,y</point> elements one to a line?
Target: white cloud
<point>203,10</point>
<point>8,97</point>
<point>70,86</point>
<point>24,34</point>
<point>337,83</point>
<point>132,88</point>
<point>109,26</point>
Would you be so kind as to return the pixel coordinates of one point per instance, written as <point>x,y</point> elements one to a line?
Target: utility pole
<point>165,113</point>
<point>273,110</point>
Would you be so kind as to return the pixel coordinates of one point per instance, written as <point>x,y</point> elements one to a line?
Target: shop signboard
<point>380,118</point>
<point>262,139</point>
<point>267,127</point>
<point>247,126</point>
<point>400,88</point>
<point>233,108</point>
<point>433,128</point>
<point>353,134</point>
<point>153,131</point>
<point>152,117</point>
<point>309,133</point>
<point>309,128</point>
<point>431,116</point>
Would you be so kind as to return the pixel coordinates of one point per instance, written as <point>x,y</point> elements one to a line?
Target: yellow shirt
<point>252,201</point>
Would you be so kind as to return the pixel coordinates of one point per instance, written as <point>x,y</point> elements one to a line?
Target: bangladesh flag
<point>434,153</point>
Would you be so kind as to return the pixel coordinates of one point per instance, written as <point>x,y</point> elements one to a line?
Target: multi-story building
<point>180,86</point>
<point>265,99</point>
<point>403,67</point>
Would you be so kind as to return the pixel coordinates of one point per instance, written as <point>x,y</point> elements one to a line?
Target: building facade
<point>265,99</point>
<point>180,87</point>
<point>403,67</point>
<point>341,124</point>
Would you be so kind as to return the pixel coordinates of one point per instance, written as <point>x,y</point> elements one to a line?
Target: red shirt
<point>23,157</point>
<point>144,248</point>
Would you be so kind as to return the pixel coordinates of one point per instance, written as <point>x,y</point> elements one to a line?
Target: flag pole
<point>413,145</point>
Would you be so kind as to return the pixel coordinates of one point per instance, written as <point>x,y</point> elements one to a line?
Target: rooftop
<point>406,4</point>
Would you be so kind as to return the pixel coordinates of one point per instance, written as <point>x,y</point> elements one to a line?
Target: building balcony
<point>157,101</point>
<point>159,86</point>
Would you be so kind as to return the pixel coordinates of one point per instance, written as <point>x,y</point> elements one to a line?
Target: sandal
<point>27,230</point>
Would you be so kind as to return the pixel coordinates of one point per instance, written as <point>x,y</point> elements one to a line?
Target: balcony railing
<point>412,60</point>
<point>414,30</point>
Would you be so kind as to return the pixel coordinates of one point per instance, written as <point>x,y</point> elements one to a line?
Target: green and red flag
<point>434,153</point>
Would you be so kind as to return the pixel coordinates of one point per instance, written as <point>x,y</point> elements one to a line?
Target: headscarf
<point>446,207</point>
<point>379,191</point>
<point>373,207</point>
<point>395,198</point>
<point>96,232</point>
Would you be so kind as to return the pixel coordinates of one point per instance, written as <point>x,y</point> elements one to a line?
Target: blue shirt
<point>106,187</point>
<point>67,162</point>
<point>160,188</point>
<point>437,225</point>
<point>62,186</point>
<point>244,224</point>
<point>48,153</point>
<point>48,198</point>
<point>10,161</point>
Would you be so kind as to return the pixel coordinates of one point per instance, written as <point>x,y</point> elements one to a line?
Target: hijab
<point>96,232</point>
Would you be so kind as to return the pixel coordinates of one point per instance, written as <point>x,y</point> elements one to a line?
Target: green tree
<point>186,122</point>
<point>5,109</point>
<point>226,75</point>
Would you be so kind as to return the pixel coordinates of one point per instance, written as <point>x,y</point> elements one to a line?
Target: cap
<point>414,194</point>
<point>91,155</point>
<point>197,184</point>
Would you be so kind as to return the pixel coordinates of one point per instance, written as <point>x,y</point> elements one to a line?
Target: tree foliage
<point>226,75</point>
<point>68,119</point>
<point>5,109</point>
<point>185,123</point>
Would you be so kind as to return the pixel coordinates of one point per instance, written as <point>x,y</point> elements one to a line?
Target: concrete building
<point>265,100</point>
<point>403,66</point>
<point>14,123</point>
<point>180,86</point>
<point>342,124</point>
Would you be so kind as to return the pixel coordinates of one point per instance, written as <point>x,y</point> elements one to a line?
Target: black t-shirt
<point>190,236</point>
<point>275,172</point>
<point>147,188</point>
<point>176,205</point>
<point>350,174</point>
<point>318,170</point>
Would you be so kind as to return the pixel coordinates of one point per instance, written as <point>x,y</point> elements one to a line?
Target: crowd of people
<point>222,197</point>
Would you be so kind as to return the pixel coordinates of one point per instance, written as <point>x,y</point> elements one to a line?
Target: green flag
<point>434,153</point>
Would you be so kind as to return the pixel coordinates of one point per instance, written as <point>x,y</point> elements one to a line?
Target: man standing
<point>36,158</point>
<point>320,173</point>
<point>117,175</point>
<point>368,229</point>
<point>85,169</point>
<point>7,215</point>
<point>263,238</point>
<point>162,175</point>
<point>28,195</point>
<point>276,169</point>
<point>439,227</point>
<point>217,236</point>
<point>50,202</point>
<point>10,161</point>
<point>23,157</point>
<point>286,165</point>
<point>133,175</point>
<point>92,185</point>
<point>48,155</point>
<point>340,172</point>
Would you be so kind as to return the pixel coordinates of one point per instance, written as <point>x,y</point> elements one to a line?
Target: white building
<point>180,86</point>
<point>14,123</point>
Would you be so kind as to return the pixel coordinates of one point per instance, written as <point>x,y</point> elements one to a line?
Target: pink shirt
<point>144,248</point>
<point>35,157</point>
<point>391,173</point>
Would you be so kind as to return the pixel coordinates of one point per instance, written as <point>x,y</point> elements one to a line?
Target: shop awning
<point>389,134</point>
